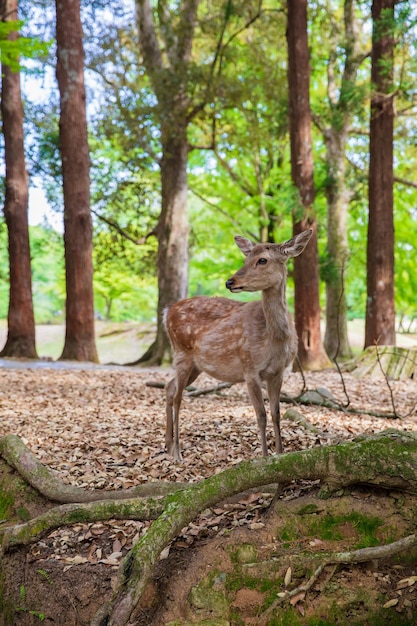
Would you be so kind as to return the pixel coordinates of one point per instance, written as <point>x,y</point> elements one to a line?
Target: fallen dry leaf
<point>103,428</point>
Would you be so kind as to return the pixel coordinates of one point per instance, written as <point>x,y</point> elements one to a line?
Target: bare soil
<point>104,429</point>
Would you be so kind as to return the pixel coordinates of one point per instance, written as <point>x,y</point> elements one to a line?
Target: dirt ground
<point>104,429</point>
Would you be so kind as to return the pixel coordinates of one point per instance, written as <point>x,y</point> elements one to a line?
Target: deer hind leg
<point>274,390</point>
<point>256,397</point>
<point>174,391</point>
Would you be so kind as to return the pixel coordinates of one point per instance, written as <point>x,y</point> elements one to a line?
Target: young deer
<point>236,341</point>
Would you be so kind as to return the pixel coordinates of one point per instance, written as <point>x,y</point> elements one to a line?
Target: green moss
<point>290,532</point>
<point>308,509</point>
<point>246,553</point>
<point>329,528</point>
<point>23,514</point>
<point>285,617</point>
<point>209,597</point>
<point>6,502</point>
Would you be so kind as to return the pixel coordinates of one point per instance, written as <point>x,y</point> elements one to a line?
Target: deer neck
<point>274,303</point>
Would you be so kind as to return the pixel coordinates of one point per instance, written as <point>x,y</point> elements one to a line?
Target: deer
<point>253,342</point>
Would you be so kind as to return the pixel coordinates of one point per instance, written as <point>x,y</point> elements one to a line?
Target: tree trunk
<point>172,232</point>
<point>340,100</point>
<point>169,82</point>
<point>311,352</point>
<point>380,313</point>
<point>21,321</point>
<point>336,341</point>
<point>79,336</point>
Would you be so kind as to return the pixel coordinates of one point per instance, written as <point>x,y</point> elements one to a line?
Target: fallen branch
<point>200,392</point>
<point>307,397</point>
<point>192,391</point>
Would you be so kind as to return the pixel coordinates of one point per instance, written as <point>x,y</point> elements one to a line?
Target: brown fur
<point>232,341</point>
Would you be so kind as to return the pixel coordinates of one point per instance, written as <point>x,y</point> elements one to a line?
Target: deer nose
<point>230,283</point>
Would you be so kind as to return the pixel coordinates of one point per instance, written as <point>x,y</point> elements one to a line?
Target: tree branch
<point>115,226</point>
<point>148,40</point>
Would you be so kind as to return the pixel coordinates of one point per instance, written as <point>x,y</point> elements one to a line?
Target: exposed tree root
<point>102,510</point>
<point>354,556</point>
<point>48,483</point>
<point>388,460</point>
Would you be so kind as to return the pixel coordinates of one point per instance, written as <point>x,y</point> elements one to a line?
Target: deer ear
<point>295,246</point>
<point>245,245</point>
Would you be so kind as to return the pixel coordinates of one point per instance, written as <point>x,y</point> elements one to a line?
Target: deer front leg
<point>274,391</point>
<point>172,418</point>
<point>174,390</point>
<point>256,397</point>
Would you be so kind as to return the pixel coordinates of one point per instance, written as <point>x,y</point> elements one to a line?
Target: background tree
<point>311,352</point>
<point>380,313</point>
<point>21,322</point>
<point>345,98</point>
<point>167,68</point>
<point>79,333</point>
<point>240,180</point>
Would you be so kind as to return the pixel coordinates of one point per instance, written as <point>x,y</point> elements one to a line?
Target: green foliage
<point>48,274</point>
<point>239,163</point>
<point>13,47</point>
<point>45,575</point>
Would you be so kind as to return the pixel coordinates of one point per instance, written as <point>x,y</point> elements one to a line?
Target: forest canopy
<point>239,172</point>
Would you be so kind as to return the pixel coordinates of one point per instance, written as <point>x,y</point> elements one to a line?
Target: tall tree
<point>167,66</point>
<point>380,313</point>
<point>21,322</point>
<point>344,98</point>
<point>311,352</point>
<point>79,336</point>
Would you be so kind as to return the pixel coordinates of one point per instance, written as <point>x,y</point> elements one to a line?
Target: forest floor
<point>103,428</point>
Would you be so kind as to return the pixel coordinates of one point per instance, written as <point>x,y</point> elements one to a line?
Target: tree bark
<point>79,335</point>
<point>169,82</point>
<point>21,321</point>
<point>311,352</point>
<point>380,313</point>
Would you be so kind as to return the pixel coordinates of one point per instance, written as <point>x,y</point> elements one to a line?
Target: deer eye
<point>262,261</point>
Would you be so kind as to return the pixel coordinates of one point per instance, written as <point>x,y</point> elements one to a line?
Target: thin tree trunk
<point>311,352</point>
<point>380,313</point>
<point>79,336</point>
<point>21,321</point>
<point>336,339</point>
